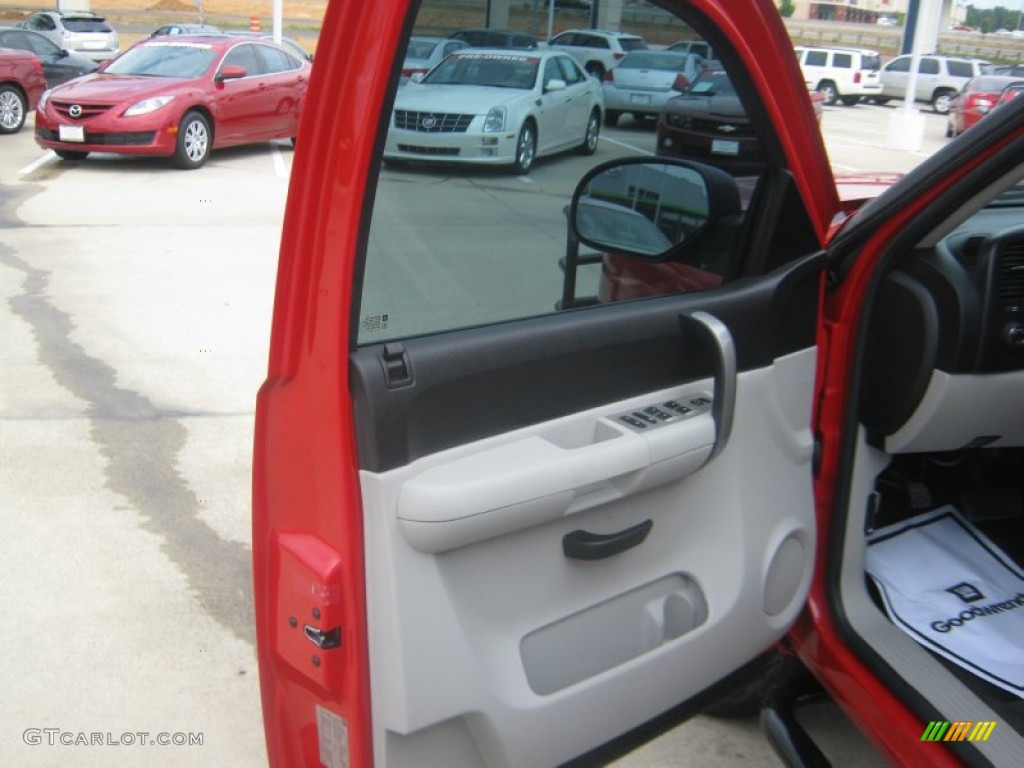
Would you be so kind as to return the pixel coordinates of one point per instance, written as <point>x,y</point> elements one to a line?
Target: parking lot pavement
<point>136,316</point>
<point>136,308</point>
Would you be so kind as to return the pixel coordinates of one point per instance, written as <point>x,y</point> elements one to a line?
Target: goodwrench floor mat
<point>953,590</point>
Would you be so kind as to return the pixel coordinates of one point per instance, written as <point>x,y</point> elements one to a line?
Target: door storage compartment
<point>611,633</point>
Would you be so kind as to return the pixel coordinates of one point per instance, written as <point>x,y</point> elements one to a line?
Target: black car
<point>59,65</point>
<point>707,122</point>
<point>497,38</point>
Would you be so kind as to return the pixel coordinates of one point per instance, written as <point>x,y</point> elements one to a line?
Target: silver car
<point>642,81</point>
<point>424,53</point>
<point>939,79</point>
<point>79,32</point>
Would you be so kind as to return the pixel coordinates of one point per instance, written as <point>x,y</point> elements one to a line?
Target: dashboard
<point>944,364</point>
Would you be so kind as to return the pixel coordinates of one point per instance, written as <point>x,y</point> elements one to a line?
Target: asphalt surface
<point>136,308</point>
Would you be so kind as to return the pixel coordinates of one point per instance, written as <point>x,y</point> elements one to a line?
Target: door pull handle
<point>716,334</point>
<point>584,545</point>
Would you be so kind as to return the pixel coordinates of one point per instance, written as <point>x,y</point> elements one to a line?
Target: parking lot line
<point>279,166</point>
<point>47,157</point>
<point>626,145</point>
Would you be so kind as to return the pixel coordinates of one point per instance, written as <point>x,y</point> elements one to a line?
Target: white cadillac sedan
<point>496,107</point>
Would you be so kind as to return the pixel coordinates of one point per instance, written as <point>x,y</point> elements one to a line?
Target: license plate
<point>639,98</point>
<point>71,133</point>
<point>722,147</point>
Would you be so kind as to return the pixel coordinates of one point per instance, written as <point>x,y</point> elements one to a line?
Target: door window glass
<point>37,44</point>
<point>929,67</point>
<point>551,72</point>
<point>816,58</point>
<point>275,60</point>
<point>471,216</point>
<point>842,60</point>
<point>960,68</point>
<point>899,65</point>
<point>571,73</point>
<point>243,56</point>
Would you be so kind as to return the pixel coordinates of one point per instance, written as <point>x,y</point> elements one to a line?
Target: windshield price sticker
<point>497,57</point>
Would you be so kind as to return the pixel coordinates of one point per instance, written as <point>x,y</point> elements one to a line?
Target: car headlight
<point>146,106</point>
<point>43,99</point>
<point>495,120</point>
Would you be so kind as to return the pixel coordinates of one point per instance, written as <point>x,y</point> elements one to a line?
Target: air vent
<point>1010,273</point>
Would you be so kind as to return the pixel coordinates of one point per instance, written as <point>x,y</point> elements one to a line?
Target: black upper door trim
<point>467,385</point>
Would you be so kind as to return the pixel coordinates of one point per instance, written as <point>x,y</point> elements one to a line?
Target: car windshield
<point>491,69</point>
<point>1011,198</point>
<point>672,62</point>
<point>711,83</point>
<point>86,25</point>
<point>989,84</point>
<point>632,44</point>
<point>184,60</point>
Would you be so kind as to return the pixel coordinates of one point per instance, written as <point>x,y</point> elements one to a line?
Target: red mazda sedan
<point>177,98</point>
<point>21,84</point>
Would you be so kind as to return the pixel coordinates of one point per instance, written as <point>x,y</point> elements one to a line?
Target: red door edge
<point>307,515</point>
<point>887,721</point>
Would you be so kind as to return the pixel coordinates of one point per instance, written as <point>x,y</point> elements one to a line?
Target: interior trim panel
<point>702,566</point>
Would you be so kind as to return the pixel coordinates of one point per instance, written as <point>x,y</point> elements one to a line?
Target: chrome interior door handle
<point>716,334</point>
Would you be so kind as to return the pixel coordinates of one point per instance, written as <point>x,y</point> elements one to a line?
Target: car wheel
<point>589,145</point>
<point>12,109</point>
<point>611,118</point>
<point>194,139</point>
<point>595,68</point>
<point>828,89</point>
<point>942,102</point>
<point>526,149</point>
<point>71,154</point>
<point>851,101</point>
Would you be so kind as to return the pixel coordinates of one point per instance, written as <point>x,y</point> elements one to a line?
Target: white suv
<point>79,32</point>
<point>939,79</point>
<point>597,50</point>
<point>841,74</point>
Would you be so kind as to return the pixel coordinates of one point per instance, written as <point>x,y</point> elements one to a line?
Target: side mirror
<point>650,209</point>
<point>230,73</point>
<point>63,53</point>
<point>554,85</point>
<point>679,217</point>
